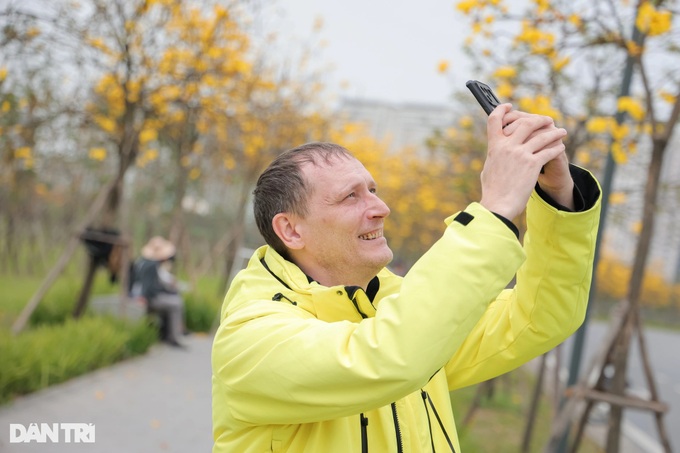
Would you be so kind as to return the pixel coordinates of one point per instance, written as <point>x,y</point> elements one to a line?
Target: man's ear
<point>286,228</point>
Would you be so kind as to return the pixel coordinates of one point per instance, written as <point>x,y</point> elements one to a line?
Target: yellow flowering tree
<point>201,74</point>
<point>567,61</point>
<point>166,66</point>
<point>564,59</point>
<point>205,103</point>
<point>276,106</point>
<point>154,64</point>
<point>176,91</point>
<point>24,108</point>
<point>17,162</point>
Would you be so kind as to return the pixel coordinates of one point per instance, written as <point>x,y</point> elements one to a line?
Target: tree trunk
<point>533,407</point>
<point>11,255</point>
<point>635,290</point>
<point>484,390</point>
<point>186,142</point>
<point>177,222</point>
<point>127,153</point>
<point>85,291</point>
<point>618,385</point>
<point>651,383</point>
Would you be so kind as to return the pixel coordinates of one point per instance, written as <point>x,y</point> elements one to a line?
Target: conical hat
<point>158,249</point>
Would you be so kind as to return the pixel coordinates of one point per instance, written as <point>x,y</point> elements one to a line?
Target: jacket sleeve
<point>275,363</point>
<point>547,304</point>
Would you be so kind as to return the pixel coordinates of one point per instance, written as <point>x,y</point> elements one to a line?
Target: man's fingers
<point>512,116</point>
<point>545,139</point>
<point>524,128</point>
<point>494,126</point>
<point>549,153</point>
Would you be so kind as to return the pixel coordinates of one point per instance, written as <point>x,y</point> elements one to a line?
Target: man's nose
<point>378,207</point>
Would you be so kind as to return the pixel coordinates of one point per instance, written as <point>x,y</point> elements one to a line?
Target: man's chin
<point>378,259</point>
<point>386,259</point>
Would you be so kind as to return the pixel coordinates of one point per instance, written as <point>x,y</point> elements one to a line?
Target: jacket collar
<point>334,303</point>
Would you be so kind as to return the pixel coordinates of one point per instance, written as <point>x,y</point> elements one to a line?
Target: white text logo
<point>52,432</point>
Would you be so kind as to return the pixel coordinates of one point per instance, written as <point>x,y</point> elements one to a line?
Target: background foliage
<point>169,110</point>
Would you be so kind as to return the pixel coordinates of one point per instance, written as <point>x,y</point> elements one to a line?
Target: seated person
<point>153,281</point>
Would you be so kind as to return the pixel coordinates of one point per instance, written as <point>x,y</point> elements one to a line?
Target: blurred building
<point>403,124</point>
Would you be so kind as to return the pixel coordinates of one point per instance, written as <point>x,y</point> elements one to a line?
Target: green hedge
<point>200,312</point>
<point>52,311</point>
<point>49,354</point>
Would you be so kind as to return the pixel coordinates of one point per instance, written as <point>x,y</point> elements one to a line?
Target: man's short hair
<point>282,186</point>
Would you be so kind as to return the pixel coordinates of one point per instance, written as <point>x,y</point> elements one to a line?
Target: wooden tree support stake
<point>591,391</point>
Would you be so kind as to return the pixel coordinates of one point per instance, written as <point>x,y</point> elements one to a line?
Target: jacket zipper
<point>397,429</point>
<point>439,420</point>
<point>364,433</point>
<point>423,393</point>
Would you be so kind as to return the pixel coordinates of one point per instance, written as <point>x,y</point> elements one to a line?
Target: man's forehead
<point>336,171</point>
<point>330,163</point>
<point>329,160</point>
<point>335,176</point>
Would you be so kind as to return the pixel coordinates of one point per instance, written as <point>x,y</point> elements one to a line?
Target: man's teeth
<point>373,235</point>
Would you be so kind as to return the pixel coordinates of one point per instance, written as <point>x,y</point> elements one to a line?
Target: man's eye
<point>352,195</point>
<point>374,190</point>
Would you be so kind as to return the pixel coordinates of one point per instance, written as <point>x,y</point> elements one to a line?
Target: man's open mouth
<point>372,235</point>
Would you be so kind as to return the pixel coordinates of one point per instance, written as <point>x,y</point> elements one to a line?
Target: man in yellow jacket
<point>321,349</point>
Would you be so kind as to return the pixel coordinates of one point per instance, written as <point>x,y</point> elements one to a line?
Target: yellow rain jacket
<point>303,368</point>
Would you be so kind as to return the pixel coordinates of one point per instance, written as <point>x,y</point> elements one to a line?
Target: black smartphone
<point>484,95</point>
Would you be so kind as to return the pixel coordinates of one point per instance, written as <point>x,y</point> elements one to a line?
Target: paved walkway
<point>159,402</point>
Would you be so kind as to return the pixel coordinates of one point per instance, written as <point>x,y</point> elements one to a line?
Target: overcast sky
<point>384,49</point>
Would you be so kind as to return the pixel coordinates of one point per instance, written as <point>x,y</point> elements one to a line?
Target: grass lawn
<point>17,291</point>
<point>203,301</point>
<point>499,423</point>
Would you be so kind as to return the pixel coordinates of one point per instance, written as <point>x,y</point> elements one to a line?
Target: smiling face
<point>340,240</point>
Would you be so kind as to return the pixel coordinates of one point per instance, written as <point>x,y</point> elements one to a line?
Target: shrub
<point>200,312</point>
<point>52,311</point>
<point>50,354</point>
<point>58,305</point>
